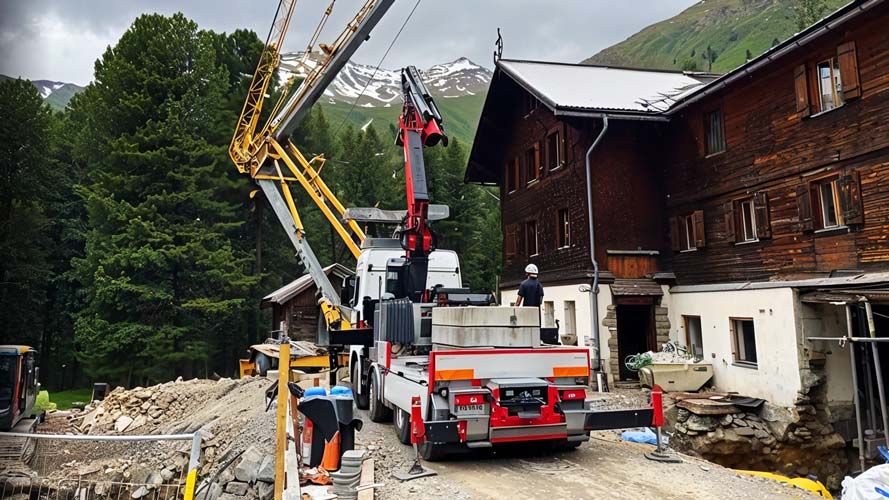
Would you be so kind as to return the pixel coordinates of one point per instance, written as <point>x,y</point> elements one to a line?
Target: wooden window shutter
<point>849,70</point>
<point>804,206</point>
<point>674,234</point>
<point>510,243</point>
<point>538,165</point>
<point>850,198</point>
<point>698,219</point>
<point>731,234</point>
<point>801,87</point>
<point>761,214</point>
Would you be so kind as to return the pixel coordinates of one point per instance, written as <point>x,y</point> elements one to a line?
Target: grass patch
<point>64,399</point>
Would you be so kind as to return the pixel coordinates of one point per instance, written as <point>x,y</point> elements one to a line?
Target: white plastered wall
<point>776,377</point>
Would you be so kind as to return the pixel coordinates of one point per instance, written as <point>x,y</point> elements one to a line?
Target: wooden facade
<point>740,203</point>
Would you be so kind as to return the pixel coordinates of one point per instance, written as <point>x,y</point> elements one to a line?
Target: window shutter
<point>802,90</point>
<point>510,244</point>
<point>538,167</point>
<point>761,210</point>
<point>674,234</point>
<point>731,234</point>
<point>804,206</point>
<point>850,198</point>
<point>698,219</point>
<point>564,144</point>
<point>849,70</point>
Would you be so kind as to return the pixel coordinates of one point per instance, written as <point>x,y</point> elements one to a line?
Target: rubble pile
<point>791,441</point>
<point>236,448</point>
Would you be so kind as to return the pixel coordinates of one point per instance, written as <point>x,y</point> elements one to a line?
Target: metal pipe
<point>866,340</point>
<point>872,332</point>
<point>855,399</point>
<point>594,309</point>
<point>87,437</point>
<point>868,382</point>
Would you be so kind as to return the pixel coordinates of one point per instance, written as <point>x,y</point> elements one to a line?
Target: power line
<point>352,107</point>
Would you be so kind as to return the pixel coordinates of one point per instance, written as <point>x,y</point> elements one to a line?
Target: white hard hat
<point>531,269</point>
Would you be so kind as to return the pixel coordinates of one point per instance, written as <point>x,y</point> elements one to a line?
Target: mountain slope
<point>730,28</point>
<point>56,94</point>
<point>459,88</point>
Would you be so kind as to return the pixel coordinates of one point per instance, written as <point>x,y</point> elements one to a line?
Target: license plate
<point>470,408</point>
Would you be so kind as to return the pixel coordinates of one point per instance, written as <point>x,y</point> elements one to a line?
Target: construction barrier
<point>35,475</point>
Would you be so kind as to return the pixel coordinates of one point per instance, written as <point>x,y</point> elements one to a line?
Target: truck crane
<point>455,370</point>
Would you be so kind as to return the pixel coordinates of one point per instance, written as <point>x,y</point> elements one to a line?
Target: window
<point>748,220</point>
<point>512,175</point>
<point>564,229</point>
<point>532,163</point>
<point>715,133</point>
<point>694,338</point>
<point>687,231</point>
<point>553,151</point>
<point>828,204</point>
<point>743,341</point>
<point>531,237</point>
<point>510,241</point>
<point>570,318</point>
<point>830,86</point>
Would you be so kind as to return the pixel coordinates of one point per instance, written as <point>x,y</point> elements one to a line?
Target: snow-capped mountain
<point>383,87</point>
<point>56,94</point>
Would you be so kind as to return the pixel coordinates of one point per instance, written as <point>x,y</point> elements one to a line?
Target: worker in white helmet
<point>530,291</point>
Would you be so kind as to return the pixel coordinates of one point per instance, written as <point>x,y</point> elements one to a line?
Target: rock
<point>121,424</point>
<point>760,434</point>
<point>144,394</point>
<point>140,492</point>
<point>681,428</point>
<point>212,493</point>
<point>682,414</point>
<point>726,420</point>
<point>138,422</point>
<point>700,423</point>
<point>739,423</point>
<point>766,450</point>
<point>745,431</point>
<point>229,496</point>
<point>266,472</point>
<point>167,474</point>
<point>266,491</point>
<point>236,488</point>
<point>154,479</point>
<point>145,406</point>
<point>248,467</point>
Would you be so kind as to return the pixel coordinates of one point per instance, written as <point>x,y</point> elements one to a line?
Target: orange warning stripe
<point>571,371</point>
<point>462,374</point>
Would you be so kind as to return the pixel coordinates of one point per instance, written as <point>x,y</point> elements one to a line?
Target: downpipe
<point>594,291</point>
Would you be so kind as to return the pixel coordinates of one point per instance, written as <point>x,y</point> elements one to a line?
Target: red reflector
<point>469,399</point>
<point>573,395</point>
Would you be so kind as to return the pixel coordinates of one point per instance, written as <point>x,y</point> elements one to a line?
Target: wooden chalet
<point>729,210</point>
<point>295,308</point>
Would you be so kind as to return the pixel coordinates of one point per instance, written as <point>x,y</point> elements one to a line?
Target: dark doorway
<point>635,334</point>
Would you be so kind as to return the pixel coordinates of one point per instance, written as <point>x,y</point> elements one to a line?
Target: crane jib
<point>301,102</point>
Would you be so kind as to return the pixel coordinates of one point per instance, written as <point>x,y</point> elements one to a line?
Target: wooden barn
<point>726,210</point>
<point>295,307</point>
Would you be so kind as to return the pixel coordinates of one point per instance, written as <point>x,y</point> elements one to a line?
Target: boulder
<point>237,488</point>
<point>266,472</point>
<point>167,474</point>
<point>700,423</point>
<point>745,431</point>
<point>248,467</point>
<point>266,491</point>
<point>140,492</point>
<point>122,423</point>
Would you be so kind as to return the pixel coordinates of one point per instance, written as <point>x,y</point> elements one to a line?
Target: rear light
<point>469,399</point>
<point>573,395</point>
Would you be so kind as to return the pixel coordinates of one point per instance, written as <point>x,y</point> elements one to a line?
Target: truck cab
<point>18,384</point>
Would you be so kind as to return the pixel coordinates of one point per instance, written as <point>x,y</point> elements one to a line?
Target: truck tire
<point>433,452</point>
<point>362,399</point>
<point>377,411</point>
<point>402,425</point>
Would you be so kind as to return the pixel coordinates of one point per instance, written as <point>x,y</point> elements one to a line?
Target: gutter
<point>594,291</point>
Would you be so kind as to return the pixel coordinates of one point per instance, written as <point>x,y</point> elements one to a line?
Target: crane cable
<point>352,107</point>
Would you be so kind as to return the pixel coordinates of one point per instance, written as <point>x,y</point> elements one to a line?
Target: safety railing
<point>33,475</point>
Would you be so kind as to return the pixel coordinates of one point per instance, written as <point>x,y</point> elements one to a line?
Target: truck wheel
<point>361,399</point>
<point>433,452</point>
<point>402,421</point>
<point>377,410</point>
<point>263,364</point>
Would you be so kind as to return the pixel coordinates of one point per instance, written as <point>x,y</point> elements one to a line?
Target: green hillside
<point>460,115</point>
<point>730,28</point>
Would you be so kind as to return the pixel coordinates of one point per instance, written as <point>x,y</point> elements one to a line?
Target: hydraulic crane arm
<point>275,164</point>
<point>420,125</point>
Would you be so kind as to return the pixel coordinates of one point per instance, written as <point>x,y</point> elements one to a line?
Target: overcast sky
<point>61,39</point>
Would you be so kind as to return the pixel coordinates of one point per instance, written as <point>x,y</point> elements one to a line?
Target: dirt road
<point>603,468</point>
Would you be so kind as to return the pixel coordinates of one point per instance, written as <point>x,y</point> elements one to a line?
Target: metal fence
<point>32,476</point>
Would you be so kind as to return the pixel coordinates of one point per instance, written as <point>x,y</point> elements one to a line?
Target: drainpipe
<point>594,293</point>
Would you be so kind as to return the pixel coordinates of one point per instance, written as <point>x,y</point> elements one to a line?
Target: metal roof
<point>857,280</point>
<point>648,287</point>
<point>301,284</point>
<point>585,88</point>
